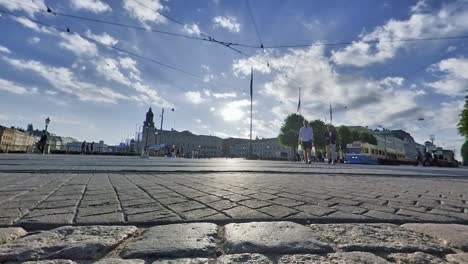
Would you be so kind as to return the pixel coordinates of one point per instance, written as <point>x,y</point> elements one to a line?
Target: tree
<point>368,138</point>
<point>464,152</point>
<point>463,123</point>
<point>355,136</point>
<point>319,129</point>
<point>344,136</point>
<point>289,132</point>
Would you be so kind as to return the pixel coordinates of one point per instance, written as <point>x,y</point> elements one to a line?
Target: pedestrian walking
<point>330,144</point>
<point>306,138</point>
<point>87,148</point>
<point>419,158</point>
<point>41,144</point>
<point>92,147</point>
<point>83,146</point>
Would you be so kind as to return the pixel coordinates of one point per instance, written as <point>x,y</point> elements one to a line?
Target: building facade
<point>262,148</point>
<point>12,139</point>
<point>202,145</point>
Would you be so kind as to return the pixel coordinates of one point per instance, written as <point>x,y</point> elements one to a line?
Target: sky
<point>97,81</point>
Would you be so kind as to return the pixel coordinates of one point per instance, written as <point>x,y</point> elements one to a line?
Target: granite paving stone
<point>278,211</point>
<point>67,242</point>
<point>245,213</point>
<point>51,261</point>
<point>454,235</point>
<point>119,261</point>
<point>185,261</point>
<point>272,237</point>
<point>376,238</point>
<point>255,203</point>
<point>303,259</point>
<point>11,233</point>
<point>415,258</point>
<point>246,258</point>
<point>177,240</point>
<point>460,258</point>
<point>356,258</point>
<point>316,210</point>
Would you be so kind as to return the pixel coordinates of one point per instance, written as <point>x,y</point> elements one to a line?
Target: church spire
<point>149,118</point>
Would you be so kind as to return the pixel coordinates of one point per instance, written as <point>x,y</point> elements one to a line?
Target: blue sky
<point>93,92</point>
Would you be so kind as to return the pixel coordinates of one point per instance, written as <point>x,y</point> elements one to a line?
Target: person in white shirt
<point>306,138</point>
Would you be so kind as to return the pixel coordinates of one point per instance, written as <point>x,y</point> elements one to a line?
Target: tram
<point>365,153</point>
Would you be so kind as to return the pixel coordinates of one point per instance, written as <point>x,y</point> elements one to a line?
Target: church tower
<point>149,131</point>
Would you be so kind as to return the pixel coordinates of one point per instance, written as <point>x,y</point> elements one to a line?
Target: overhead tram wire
<point>255,25</point>
<point>67,30</point>
<point>210,39</point>
<point>48,10</point>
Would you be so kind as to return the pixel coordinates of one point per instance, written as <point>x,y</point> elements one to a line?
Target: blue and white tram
<point>358,153</point>
<point>365,153</point>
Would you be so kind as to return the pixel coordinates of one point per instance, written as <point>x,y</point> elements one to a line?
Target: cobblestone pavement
<point>254,242</point>
<point>80,209</point>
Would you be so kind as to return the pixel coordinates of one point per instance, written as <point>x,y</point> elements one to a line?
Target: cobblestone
<point>179,240</point>
<point>415,258</point>
<point>66,242</point>
<point>272,237</point>
<point>11,233</point>
<point>451,234</point>
<point>376,238</point>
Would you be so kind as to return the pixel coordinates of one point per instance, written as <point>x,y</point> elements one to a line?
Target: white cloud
<point>208,78</point>
<point>31,25</point>
<point>95,6</point>
<point>34,40</point>
<point>235,110</point>
<point>4,49</point>
<point>9,86</point>
<point>228,22</point>
<point>192,29</point>
<point>194,97</point>
<point>198,120</point>
<point>111,70</point>
<point>454,81</point>
<point>64,80</point>
<point>451,48</point>
<point>450,20</point>
<point>50,92</point>
<point>224,95</point>
<point>31,8</point>
<point>368,101</point>
<point>103,38</point>
<point>148,12</point>
<point>78,45</point>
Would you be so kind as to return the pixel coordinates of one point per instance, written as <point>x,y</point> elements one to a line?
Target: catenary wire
<point>255,24</point>
<point>105,45</point>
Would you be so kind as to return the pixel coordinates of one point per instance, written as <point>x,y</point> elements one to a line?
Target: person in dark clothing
<point>83,146</point>
<point>42,143</point>
<point>419,158</point>
<point>92,147</point>
<point>427,159</point>
<point>87,148</point>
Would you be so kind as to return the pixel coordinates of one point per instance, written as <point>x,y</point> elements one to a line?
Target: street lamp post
<point>385,139</point>
<point>47,121</point>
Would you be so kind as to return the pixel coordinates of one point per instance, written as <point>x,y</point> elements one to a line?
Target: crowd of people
<point>87,148</point>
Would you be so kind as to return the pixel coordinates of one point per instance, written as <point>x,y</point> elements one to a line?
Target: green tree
<point>289,132</point>
<point>463,123</point>
<point>355,136</point>
<point>368,138</point>
<point>319,129</point>
<point>464,152</point>
<point>344,136</point>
